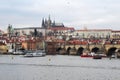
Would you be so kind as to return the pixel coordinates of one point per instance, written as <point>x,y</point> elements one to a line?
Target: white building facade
<point>93,33</point>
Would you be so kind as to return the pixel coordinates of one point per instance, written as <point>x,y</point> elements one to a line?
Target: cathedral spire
<point>46,23</point>
<point>49,21</point>
<point>49,18</point>
<point>43,23</point>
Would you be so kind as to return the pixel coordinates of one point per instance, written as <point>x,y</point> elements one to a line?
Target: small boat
<point>18,52</point>
<point>38,53</point>
<point>97,57</point>
<point>87,56</point>
<point>29,54</point>
<point>102,54</point>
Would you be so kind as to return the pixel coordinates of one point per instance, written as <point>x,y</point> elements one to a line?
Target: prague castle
<point>66,38</point>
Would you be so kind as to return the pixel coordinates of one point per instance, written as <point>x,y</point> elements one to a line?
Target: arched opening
<point>73,51</point>
<point>80,51</point>
<point>58,50</point>
<point>95,50</point>
<point>111,51</point>
<point>68,50</point>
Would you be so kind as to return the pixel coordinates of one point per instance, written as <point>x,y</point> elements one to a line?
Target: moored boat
<point>87,56</point>
<point>97,57</point>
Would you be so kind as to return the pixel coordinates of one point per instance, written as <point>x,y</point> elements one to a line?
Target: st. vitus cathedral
<point>48,23</point>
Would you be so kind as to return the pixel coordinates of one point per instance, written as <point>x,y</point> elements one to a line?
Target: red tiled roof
<point>78,42</point>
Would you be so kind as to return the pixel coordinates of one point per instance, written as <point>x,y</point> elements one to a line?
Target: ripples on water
<point>42,65</point>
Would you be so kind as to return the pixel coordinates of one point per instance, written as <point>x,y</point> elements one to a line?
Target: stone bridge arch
<point>68,50</point>
<point>108,47</point>
<point>95,49</point>
<point>111,51</point>
<point>67,46</point>
<point>80,50</point>
<point>60,50</point>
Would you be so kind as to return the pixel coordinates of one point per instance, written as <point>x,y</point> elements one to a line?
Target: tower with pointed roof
<point>43,23</point>
<point>48,23</point>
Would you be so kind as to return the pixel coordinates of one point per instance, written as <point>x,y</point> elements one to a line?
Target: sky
<point>93,14</point>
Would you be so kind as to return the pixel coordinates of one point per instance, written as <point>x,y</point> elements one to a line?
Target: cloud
<point>75,13</point>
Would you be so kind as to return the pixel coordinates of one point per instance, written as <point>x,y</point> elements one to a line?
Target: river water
<point>58,67</point>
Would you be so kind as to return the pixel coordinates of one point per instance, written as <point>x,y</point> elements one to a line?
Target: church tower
<point>43,23</point>
<point>49,22</point>
<point>46,23</point>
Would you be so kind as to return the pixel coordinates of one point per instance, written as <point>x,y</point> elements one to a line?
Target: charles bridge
<point>78,49</point>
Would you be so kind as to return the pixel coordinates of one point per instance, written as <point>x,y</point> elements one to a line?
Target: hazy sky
<point>95,14</point>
